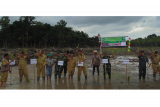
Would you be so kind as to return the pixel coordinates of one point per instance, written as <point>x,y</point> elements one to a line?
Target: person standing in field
<point>41,62</point>
<point>71,66</point>
<point>49,64</point>
<point>142,64</point>
<point>5,69</point>
<point>155,58</point>
<point>95,62</point>
<point>81,58</point>
<point>64,67</point>
<point>58,67</point>
<point>108,65</point>
<point>23,70</point>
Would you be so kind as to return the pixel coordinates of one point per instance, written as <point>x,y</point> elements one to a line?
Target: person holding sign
<point>5,69</point>
<point>142,64</point>
<point>41,62</point>
<point>49,64</point>
<point>65,63</point>
<point>155,58</point>
<point>58,67</point>
<point>107,66</point>
<point>23,66</point>
<point>81,58</point>
<point>71,66</point>
<point>95,62</point>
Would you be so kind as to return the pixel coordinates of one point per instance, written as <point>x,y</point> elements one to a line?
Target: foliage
<point>27,32</point>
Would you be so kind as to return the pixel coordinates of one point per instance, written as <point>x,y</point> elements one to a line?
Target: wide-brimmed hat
<point>95,51</point>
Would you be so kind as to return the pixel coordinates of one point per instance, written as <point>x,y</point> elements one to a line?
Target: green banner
<point>113,41</point>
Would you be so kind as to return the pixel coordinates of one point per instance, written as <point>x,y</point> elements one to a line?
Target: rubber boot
<point>60,75</point>
<point>154,75</point>
<point>43,78</point>
<point>26,79</point>
<point>109,76</point>
<point>79,78</point>
<point>20,80</point>
<point>37,78</point>
<point>85,77</point>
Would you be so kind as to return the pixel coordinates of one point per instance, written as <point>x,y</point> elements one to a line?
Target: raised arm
<point>137,53</point>
<point>77,50</point>
<point>17,56</point>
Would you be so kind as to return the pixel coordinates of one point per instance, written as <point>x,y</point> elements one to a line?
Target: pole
<point>105,72</point>
<point>11,75</point>
<point>126,71</point>
<point>147,70</point>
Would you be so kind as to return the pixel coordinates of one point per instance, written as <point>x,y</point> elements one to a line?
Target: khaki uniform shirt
<point>155,59</point>
<point>22,62</point>
<point>80,58</point>
<point>41,60</point>
<point>71,64</point>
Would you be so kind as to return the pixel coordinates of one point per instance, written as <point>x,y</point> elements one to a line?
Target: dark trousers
<point>94,69</point>
<point>142,72</point>
<point>65,69</point>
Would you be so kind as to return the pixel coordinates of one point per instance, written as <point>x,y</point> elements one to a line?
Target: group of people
<point>69,63</point>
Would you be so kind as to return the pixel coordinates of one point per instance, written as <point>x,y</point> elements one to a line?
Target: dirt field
<point>118,78</point>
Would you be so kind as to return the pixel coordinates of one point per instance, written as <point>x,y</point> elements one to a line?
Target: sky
<point>107,26</point>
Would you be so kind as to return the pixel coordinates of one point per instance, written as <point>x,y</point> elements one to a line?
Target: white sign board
<point>33,61</point>
<point>149,60</point>
<point>126,61</point>
<point>60,62</point>
<point>80,64</point>
<point>12,63</point>
<point>105,61</point>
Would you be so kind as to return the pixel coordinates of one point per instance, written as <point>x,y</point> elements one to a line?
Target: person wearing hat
<point>95,62</point>
<point>81,58</point>
<point>64,67</point>
<point>108,65</point>
<point>142,64</point>
<point>41,62</point>
<point>49,64</point>
<point>155,58</point>
<point>5,69</point>
<point>58,67</point>
<point>23,66</point>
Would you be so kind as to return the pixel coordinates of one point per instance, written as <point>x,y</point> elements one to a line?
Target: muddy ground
<point>118,78</point>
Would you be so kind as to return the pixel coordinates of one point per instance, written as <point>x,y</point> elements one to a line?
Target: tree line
<point>27,32</point>
<point>150,41</point>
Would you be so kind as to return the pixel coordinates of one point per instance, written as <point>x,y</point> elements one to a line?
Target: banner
<point>113,41</point>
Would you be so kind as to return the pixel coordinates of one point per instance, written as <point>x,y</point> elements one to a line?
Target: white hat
<point>95,50</point>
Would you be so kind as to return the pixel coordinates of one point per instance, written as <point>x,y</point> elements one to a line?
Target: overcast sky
<point>107,26</point>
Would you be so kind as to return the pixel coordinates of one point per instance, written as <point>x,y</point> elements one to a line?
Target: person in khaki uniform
<point>81,58</point>
<point>23,70</point>
<point>155,58</point>
<point>5,69</point>
<point>41,62</point>
<point>71,66</point>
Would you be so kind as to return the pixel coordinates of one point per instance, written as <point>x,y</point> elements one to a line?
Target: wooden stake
<point>105,72</point>
<point>126,71</point>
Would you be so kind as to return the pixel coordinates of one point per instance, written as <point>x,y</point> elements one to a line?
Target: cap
<point>22,52</point>
<point>156,52</point>
<point>65,51</point>
<point>105,51</point>
<point>142,50</point>
<point>58,52</point>
<point>50,54</point>
<point>95,50</point>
